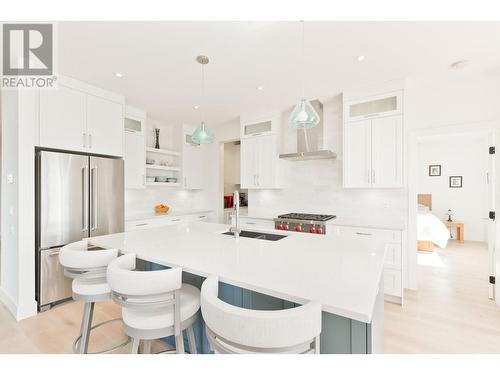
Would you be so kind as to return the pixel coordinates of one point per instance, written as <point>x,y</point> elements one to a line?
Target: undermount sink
<point>258,235</point>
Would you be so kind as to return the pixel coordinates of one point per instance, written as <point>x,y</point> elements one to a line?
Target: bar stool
<point>235,330</point>
<point>88,271</point>
<point>155,304</point>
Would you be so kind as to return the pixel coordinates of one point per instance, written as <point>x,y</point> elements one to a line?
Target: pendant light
<point>202,135</point>
<point>303,115</point>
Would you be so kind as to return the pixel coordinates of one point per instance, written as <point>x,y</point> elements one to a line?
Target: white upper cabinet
<point>259,159</point>
<point>79,117</point>
<point>387,152</point>
<point>134,155</point>
<point>135,120</point>
<point>357,154</point>
<point>193,163</point>
<point>373,153</point>
<point>263,125</point>
<point>388,104</point>
<point>104,126</point>
<point>63,119</point>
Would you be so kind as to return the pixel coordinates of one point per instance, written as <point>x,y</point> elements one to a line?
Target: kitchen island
<point>343,274</point>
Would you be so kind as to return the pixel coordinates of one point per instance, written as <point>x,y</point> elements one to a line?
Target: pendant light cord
<point>303,61</point>
<point>202,93</point>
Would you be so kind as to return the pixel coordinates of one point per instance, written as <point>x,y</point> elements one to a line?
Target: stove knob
<point>312,230</point>
<point>298,229</point>
<point>319,231</point>
<point>285,227</point>
<point>279,226</point>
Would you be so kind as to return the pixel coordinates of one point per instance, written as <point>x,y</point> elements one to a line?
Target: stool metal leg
<point>88,312</point>
<point>191,340</point>
<point>179,344</point>
<point>135,346</point>
<point>146,348</point>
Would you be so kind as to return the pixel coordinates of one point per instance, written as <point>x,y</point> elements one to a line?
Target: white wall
<point>459,155</point>
<point>19,134</point>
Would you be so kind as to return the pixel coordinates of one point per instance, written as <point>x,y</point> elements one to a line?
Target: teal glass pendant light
<point>303,115</point>
<point>202,135</point>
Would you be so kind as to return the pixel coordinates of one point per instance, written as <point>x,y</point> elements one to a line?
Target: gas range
<point>309,223</point>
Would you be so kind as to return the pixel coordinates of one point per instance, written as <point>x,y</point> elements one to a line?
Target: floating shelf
<point>162,167</point>
<point>166,184</point>
<point>162,151</point>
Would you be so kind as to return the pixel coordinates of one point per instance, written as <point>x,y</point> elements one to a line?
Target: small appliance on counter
<point>309,223</point>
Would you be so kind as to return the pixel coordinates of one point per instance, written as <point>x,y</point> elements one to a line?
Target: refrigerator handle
<point>85,194</point>
<point>94,176</point>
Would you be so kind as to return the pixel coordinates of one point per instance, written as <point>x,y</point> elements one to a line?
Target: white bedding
<point>430,228</point>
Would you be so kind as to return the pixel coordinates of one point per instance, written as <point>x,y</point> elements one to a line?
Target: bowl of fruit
<point>161,208</point>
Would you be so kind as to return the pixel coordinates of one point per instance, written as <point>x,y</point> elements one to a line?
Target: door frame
<point>411,281</point>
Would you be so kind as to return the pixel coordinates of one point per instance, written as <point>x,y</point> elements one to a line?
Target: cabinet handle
<point>201,217</point>
<point>90,140</point>
<point>176,219</point>
<point>258,181</point>
<point>250,223</point>
<point>373,176</point>
<point>363,234</point>
<point>84,140</point>
<point>141,224</point>
<point>372,115</point>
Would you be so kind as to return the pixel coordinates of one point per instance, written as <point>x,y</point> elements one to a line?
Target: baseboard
<point>18,312</point>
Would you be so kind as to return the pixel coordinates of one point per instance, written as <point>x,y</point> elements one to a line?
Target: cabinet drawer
<point>255,223</point>
<point>153,223</point>
<point>393,256</point>
<point>392,282</point>
<point>382,234</point>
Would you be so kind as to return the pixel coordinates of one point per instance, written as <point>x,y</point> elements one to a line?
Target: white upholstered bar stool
<point>155,304</point>
<point>87,268</point>
<point>235,330</point>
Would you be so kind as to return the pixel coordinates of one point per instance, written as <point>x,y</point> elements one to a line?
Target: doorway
<point>232,183</point>
<point>451,186</point>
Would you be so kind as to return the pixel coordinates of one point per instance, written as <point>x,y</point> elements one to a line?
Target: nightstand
<point>459,227</point>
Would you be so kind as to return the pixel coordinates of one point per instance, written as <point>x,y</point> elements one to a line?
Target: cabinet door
<point>387,152</point>
<point>104,126</point>
<point>62,119</point>
<point>249,152</point>
<point>193,170</point>
<point>266,162</point>
<point>135,159</point>
<point>357,154</point>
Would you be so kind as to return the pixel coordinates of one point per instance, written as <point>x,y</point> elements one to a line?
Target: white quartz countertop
<point>341,273</point>
<point>152,215</point>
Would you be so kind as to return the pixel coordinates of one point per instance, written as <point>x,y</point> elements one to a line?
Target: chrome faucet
<point>236,214</point>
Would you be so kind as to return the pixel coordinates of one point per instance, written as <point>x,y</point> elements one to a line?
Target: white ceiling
<point>160,74</point>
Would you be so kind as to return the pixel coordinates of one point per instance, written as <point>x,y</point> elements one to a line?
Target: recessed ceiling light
<point>196,107</point>
<point>360,57</point>
<point>260,88</point>
<point>118,75</point>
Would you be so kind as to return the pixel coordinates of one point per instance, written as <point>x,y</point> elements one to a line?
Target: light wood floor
<point>450,313</point>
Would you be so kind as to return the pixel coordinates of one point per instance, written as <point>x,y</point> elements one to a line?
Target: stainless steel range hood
<point>310,142</point>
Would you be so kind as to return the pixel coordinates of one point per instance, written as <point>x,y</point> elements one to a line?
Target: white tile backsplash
<point>315,186</point>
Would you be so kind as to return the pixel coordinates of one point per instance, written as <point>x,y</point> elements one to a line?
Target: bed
<point>430,229</point>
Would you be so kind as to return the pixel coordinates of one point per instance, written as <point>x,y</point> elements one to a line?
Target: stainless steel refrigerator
<point>77,196</point>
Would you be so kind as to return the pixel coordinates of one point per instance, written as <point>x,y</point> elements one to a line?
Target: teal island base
<point>339,335</point>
